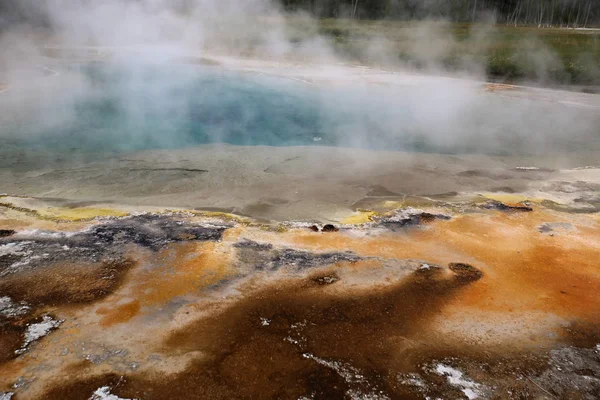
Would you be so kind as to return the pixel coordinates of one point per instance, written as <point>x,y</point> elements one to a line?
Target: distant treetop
<point>568,13</point>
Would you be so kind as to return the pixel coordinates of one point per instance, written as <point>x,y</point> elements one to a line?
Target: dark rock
<point>152,231</point>
<point>329,228</point>
<point>103,242</point>
<point>410,217</point>
<point>465,272</point>
<point>314,228</point>
<point>6,232</point>
<point>497,205</point>
<point>305,259</point>
<point>426,217</point>
<point>250,244</point>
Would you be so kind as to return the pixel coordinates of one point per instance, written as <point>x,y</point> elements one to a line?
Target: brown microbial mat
<point>472,299</point>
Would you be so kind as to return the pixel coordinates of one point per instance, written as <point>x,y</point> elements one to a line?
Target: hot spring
<point>285,142</point>
<point>135,106</point>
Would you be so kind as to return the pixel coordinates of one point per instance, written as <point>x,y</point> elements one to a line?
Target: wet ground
<point>470,299</point>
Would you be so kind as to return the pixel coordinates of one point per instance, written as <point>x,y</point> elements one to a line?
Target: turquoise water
<point>177,106</point>
<point>105,107</point>
<point>152,108</point>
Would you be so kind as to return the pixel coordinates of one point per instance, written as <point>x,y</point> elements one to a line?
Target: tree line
<point>562,13</point>
<point>566,13</point>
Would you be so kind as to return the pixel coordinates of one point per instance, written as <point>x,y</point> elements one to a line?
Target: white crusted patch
<point>9,309</point>
<point>456,378</point>
<point>358,395</point>
<point>403,214</point>
<point>527,168</point>
<point>412,380</point>
<point>6,395</point>
<point>103,393</point>
<point>291,340</point>
<point>359,231</point>
<point>16,249</point>
<point>352,376</point>
<point>297,224</point>
<point>37,331</point>
<point>46,234</point>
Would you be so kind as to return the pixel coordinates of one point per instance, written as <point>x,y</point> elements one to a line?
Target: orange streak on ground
<point>399,245</point>
<point>558,274</point>
<point>176,271</point>
<point>524,269</point>
<point>119,314</point>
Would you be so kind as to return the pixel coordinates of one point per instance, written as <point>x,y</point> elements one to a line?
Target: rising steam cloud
<point>143,97</point>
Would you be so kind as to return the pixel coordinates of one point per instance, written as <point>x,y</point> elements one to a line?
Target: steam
<point>153,74</point>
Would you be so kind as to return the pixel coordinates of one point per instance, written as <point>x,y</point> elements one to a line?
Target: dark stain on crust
<point>295,340</point>
<point>250,244</point>
<point>7,260</point>
<point>265,257</point>
<point>381,191</point>
<point>580,334</point>
<point>11,339</point>
<point>61,284</point>
<point>15,318</point>
<point>476,173</point>
<point>300,339</point>
<point>300,260</point>
<point>170,169</point>
<point>275,167</point>
<point>85,389</point>
<point>66,283</point>
<point>46,270</point>
<point>71,204</point>
<point>569,209</point>
<point>105,241</point>
<point>505,189</point>
<point>152,231</point>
